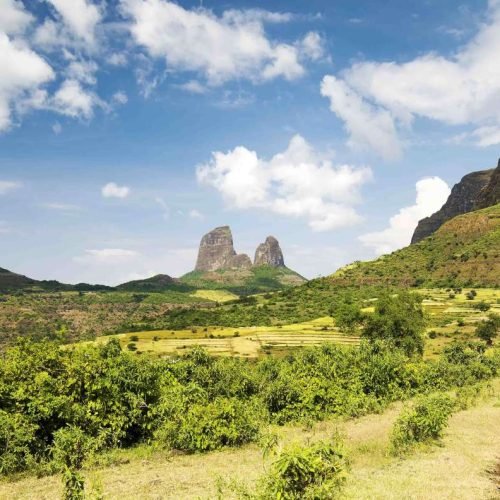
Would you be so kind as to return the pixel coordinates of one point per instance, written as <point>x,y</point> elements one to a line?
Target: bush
<point>423,422</point>
<point>482,306</point>
<point>70,449</point>
<point>17,442</point>
<point>314,472</point>
<point>209,426</point>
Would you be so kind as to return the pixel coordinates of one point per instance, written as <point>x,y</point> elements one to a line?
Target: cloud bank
<point>298,182</point>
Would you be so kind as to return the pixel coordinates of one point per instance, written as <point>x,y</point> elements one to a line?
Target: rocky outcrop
<point>463,198</point>
<point>490,194</point>
<point>269,253</point>
<point>240,261</point>
<point>217,252</point>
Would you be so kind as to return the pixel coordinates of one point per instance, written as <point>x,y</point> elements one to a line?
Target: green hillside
<point>244,281</point>
<point>465,251</point>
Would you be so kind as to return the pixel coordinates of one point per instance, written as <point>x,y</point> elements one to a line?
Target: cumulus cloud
<point>13,18</point>
<point>23,73</point>
<point>81,17</point>
<point>463,89</point>
<point>73,100</point>
<point>222,48</point>
<point>298,182</point>
<point>113,190</point>
<point>432,193</point>
<point>7,186</point>
<point>366,124</point>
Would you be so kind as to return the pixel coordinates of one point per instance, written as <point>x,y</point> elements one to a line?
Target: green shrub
<point>17,442</point>
<point>482,306</point>
<point>209,426</point>
<point>422,422</point>
<point>314,472</point>
<point>70,449</point>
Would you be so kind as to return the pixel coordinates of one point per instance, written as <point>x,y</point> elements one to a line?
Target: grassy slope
<point>457,469</point>
<point>463,252</point>
<point>244,281</point>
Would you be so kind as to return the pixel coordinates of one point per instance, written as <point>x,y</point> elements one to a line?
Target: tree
<point>399,320</point>
<point>487,330</point>
<point>347,317</point>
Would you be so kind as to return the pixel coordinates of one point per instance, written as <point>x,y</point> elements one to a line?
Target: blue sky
<point>129,128</point>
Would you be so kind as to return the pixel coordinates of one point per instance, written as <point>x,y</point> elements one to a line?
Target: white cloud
<point>80,16</point>
<point>432,193</point>
<point>367,125</point>
<point>312,45</point>
<point>223,48</point>
<point>13,18</point>
<point>195,214</point>
<point>117,59</point>
<point>120,97</point>
<point>112,190</point>
<point>82,71</point>
<point>7,186</point>
<point>463,89</point>
<point>298,183</point>
<point>73,100</point>
<point>22,72</point>
<point>194,87</point>
<point>57,128</point>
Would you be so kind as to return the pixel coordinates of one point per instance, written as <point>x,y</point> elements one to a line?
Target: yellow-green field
<point>215,295</point>
<point>247,341</point>
<point>449,319</point>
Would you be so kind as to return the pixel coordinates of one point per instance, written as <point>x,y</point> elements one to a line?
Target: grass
<point>456,469</point>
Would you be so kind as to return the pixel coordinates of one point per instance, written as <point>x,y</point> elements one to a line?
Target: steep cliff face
<point>217,252</point>
<point>269,253</point>
<point>490,194</point>
<point>463,198</point>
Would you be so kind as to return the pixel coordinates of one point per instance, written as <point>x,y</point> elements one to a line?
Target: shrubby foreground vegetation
<point>60,405</point>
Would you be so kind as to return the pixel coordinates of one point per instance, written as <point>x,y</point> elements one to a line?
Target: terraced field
<point>247,342</point>
<point>451,316</point>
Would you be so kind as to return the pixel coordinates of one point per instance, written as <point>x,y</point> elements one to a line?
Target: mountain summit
<point>218,266</point>
<point>463,198</point>
<point>269,253</point>
<point>217,252</point>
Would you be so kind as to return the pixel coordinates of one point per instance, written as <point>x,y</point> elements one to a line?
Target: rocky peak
<point>217,252</point>
<point>269,253</point>
<point>463,198</point>
<point>490,194</point>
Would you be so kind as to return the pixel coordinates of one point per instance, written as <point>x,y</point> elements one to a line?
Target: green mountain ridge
<point>465,251</point>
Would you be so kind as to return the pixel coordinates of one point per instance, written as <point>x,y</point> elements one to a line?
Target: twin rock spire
<point>217,252</point>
